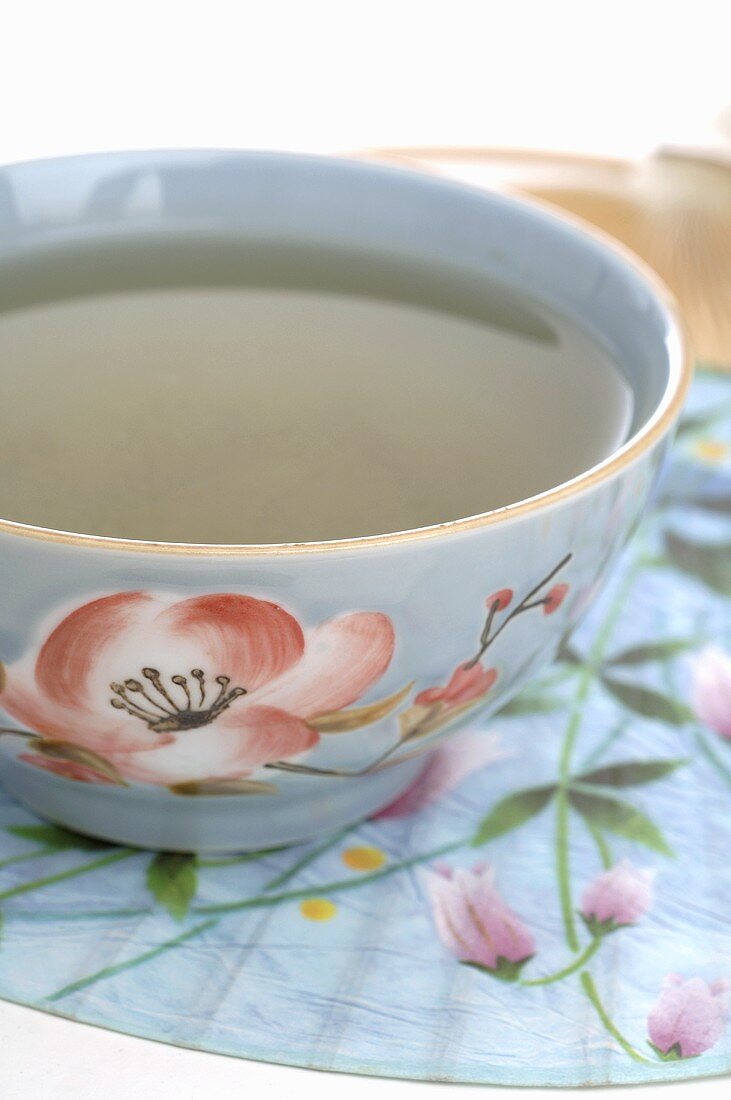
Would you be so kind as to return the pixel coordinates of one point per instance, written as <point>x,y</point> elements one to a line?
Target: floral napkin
<point>549,905</point>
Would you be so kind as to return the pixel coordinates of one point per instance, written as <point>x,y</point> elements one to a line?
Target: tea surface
<point>290,413</point>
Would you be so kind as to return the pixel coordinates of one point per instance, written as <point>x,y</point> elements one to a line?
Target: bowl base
<point>142,817</point>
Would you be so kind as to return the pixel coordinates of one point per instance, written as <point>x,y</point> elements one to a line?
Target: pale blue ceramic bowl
<point>228,697</point>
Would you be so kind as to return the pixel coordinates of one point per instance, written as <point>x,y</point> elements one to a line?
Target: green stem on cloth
<point>62,876</point>
<point>41,916</point>
<point>587,984</point>
<point>593,758</point>
<point>310,857</point>
<point>585,682</point>
<point>24,857</point>
<point>118,968</point>
<point>244,857</point>
<point>605,854</point>
<point>336,886</point>
<point>198,929</point>
<point>589,951</point>
<point>713,759</point>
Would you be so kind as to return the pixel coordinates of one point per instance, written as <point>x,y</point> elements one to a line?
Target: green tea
<point>162,401</point>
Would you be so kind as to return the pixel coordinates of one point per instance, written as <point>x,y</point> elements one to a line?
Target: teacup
<point>202,696</point>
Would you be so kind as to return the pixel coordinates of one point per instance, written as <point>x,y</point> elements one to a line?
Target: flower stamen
<point>182,682</point>
<point>160,718</point>
<point>153,676</point>
<point>137,688</point>
<point>123,702</point>
<point>197,674</point>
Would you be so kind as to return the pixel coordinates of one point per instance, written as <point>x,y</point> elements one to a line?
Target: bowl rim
<point>659,424</point>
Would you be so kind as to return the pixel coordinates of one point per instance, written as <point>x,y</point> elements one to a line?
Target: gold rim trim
<point>659,424</point>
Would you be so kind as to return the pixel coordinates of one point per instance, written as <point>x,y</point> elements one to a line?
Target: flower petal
<point>250,640</point>
<point>509,937</point>
<point>688,1013</point>
<point>74,648</point>
<point>343,658</point>
<point>622,894</point>
<point>711,695</point>
<point>261,736</point>
<point>66,768</point>
<point>465,684</point>
<point>102,730</point>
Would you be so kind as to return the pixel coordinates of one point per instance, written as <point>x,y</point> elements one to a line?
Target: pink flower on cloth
<point>616,898</point>
<point>210,687</point>
<point>688,1017</point>
<point>711,691</point>
<point>465,685</point>
<point>474,923</point>
<point>448,766</point>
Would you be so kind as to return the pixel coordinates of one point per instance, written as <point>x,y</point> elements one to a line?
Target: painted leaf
<point>414,718</point>
<point>653,651</point>
<point>343,721</point>
<point>56,838</point>
<point>65,750</point>
<point>709,562</point>
<point>531,704</point>
<point>512,811</point>
<point>419,721</point>
<point>649,703</point>
<point>223,786</point>
<point>696,422</point>
<point>622,818</point>
<point>568,654</point>
<point>720,505</point>
<point>173,881</point>
<point>631,773</point>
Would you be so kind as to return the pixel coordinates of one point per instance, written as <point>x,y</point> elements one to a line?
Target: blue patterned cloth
<point>330,955</point>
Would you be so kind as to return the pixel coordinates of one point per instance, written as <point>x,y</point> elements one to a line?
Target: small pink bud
<point>464,685</point>
<point>554,598</point>
<point>616,898</point>
<point>688,1017</point>
<point>474,923</point>
<point>500,599</point>
<point>711,691</point>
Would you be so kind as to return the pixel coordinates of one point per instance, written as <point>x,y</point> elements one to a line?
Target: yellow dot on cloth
<point>712,450</point>
<point>364,859</point>
<point>318,909</point>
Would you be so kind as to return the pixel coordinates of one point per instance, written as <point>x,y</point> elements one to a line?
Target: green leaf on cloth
<point>622,818</point>
<point>55,838</point>
<point>172,880</point>
<point>648,703</point>
<point>630,773</point>
<point>531,704</point>
<point>512,811</point>
<point>653,651</point>
<point>709,562</point>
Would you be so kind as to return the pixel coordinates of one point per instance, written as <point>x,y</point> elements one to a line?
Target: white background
<point>619,78</point>
<point>603,77</point>
<point>42,1058</point>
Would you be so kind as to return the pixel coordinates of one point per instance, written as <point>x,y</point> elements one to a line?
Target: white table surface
<point>43,1057</point>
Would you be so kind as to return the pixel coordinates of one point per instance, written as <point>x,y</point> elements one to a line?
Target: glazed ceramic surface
<point>234,697</point>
